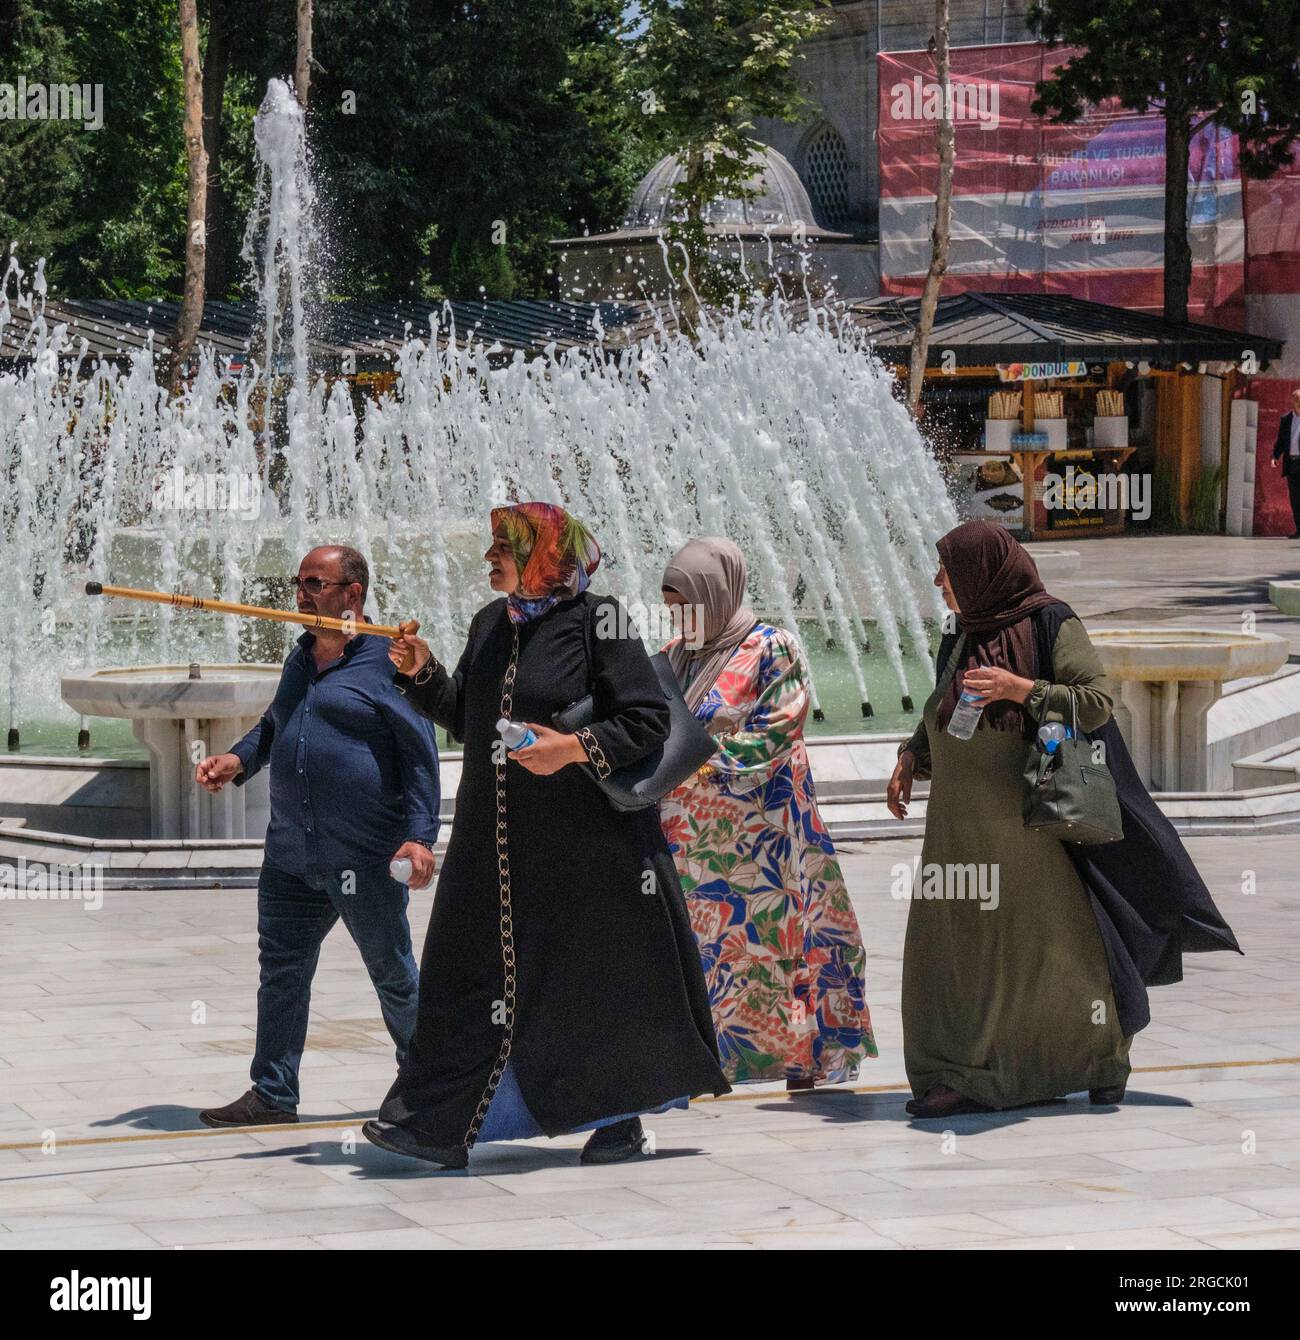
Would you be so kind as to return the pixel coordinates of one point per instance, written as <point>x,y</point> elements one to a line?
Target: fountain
<point>784,435</point>
<point>182,714</point>
<point>1168,679</point>
<point>780,431</point>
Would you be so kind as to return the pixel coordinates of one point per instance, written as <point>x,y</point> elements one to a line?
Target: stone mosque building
<point>819,187</point>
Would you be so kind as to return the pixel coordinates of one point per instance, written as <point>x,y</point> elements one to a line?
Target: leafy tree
<point>706,69</point>
<point>38,158</point>
<point>431,126</point>
<point>105,206</point>
<point>614,148</point>
<point>478,268</point>
<point>1198,62</point>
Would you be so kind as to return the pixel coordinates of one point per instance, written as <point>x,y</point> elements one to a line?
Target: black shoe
<point>400,1140</point>
<point>250,1110</point>
<point>615,1144</point>
<point>1111,1097</point>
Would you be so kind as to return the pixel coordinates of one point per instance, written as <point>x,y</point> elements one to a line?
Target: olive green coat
<point>1006,997</point>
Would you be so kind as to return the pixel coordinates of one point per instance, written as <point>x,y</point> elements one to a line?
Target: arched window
<point>826,174</point>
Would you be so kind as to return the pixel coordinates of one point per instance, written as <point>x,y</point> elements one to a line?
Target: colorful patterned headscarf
<point>555,555</point>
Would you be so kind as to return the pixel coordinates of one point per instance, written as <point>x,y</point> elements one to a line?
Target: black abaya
<point>611,1011</point>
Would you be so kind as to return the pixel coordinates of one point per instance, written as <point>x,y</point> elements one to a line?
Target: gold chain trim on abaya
<point>507,923</point>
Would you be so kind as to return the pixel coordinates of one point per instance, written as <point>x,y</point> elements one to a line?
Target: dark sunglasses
<point>312,585</point>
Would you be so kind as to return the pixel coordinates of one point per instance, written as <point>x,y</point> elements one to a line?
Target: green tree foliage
<point>105,206</point>
<point>443,134</point>
<point>36,157</point>
<point>479,268</point>
<point>445,129</point>
<point>705,69</point>
<point>614,148</point>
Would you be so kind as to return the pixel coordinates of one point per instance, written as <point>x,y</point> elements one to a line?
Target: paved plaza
<point>1177,581</point>
<point>104,1064</point>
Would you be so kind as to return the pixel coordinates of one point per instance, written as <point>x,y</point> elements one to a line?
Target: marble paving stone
<point>95,1238</point>
<point>1273,1235</point>
<point>519,1209</point>
<point>938,1230</point>
<point>1175,1212</point>
<point>519,1233</point>
<point>102,1046</point>
<point>141,1212</point>
<point>265,1245</point>
<point>782,1212</point>
<point>1133,1240</point>
<point>223,1228</point>
<point>392,1239</point>
<point>1284,1202</point>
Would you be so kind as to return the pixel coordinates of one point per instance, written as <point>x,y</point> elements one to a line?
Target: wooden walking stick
<point>181,601</point>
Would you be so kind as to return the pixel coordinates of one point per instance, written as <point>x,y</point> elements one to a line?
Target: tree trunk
<point>191,313</point>
<point>1178,247</point>
<point>216,64</point>
<point>942,218</point>
<point>302,70</point>
<point>688,307</point>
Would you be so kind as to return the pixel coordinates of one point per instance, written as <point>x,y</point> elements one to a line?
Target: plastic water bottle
<point>1052,735</point>
<point>401,869</point>
<point>965,716</point>
<point>515,734</point>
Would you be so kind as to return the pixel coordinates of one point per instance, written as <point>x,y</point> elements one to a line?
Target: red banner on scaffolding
<point>1075,209</point>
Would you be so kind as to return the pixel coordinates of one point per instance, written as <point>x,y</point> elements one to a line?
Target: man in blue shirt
<point>354,785</point>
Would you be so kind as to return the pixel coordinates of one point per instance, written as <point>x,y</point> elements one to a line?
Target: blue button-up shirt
<point>354,768</point>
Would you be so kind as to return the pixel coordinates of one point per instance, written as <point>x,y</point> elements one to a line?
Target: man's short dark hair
<point>353,568</point>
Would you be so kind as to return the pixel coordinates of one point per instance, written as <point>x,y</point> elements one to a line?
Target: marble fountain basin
<point>166,692</point>
<point>1187,654</point>
<point>1166,680</point>
<point>181,720</point>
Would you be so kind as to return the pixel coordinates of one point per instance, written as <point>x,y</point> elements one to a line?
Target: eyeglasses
<point>313,585</point>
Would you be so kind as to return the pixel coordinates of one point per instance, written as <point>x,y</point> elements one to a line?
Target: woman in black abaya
<point>560,986</point>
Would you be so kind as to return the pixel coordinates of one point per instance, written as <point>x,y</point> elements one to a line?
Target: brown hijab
<point>997,588</point>
<point>710,573</point>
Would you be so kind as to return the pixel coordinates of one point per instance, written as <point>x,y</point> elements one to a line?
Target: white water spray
<point>783,435</point>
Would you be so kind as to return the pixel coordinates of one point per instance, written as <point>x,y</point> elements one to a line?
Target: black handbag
<point>1069,796</point>
<point>646,781</point>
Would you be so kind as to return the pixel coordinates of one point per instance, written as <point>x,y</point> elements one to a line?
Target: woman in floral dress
<point>782,954</point>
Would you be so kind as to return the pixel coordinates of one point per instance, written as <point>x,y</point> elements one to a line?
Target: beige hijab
<point>710,575</point>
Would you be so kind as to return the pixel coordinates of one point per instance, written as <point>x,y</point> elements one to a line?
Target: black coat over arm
<point>1151,904</point>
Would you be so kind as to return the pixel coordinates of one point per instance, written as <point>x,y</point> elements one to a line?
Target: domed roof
<point>782,201</point>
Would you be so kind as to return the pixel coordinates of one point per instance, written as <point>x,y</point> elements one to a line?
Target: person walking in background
<point>1287,450</point>
<point>354,786</point>
<point>782,953</point>
<point>1039,995</point>
<point>560,988</point>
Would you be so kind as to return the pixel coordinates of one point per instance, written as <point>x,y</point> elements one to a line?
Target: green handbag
<point>1070,797</point>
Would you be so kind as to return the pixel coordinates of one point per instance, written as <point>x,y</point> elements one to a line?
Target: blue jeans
<point>294,914</point>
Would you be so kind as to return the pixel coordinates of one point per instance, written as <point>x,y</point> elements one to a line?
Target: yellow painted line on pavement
<point>336,1125</point>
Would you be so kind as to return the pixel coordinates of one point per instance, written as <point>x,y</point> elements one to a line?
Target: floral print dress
<point>783,957</point>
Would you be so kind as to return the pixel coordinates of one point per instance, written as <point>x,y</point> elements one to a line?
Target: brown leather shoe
<point>249,1110</point>
<point>942,1101</point>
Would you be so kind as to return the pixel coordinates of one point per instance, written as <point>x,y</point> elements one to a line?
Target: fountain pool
<point>781,432</point>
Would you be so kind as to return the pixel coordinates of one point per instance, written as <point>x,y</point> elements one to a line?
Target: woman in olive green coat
<point>1007,996</point>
